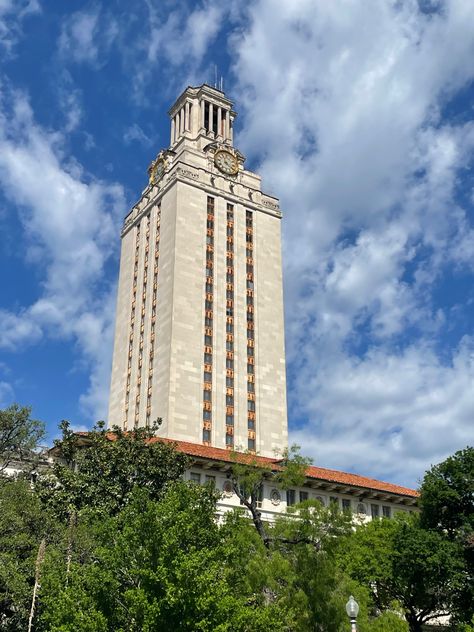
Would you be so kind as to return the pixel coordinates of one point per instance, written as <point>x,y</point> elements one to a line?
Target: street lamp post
<point>352,609</point>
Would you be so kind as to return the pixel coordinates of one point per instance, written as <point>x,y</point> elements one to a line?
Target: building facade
<point>199,338</point>
<point>365,498</point>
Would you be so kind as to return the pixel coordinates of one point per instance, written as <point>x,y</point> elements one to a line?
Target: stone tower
<point>199,338</point>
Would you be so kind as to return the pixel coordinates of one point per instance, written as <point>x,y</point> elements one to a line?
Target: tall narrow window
<point>132,325</point>
<point>156,257</point>
<point>142,318</point>
<point>208,315</point>
<point>251,404</point>
<point>229,400</point>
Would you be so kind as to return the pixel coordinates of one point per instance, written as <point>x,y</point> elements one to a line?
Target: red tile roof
<point>317,473</point>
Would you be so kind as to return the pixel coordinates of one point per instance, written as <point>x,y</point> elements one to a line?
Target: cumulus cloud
<point>71,222</point>
<point>388,414</point>
<point>345,116</point>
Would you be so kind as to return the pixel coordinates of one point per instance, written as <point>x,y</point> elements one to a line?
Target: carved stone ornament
<point>275,497</point>
<point>227,488</point>
<point>159,166</point>
<point>226,158</point>
<point>187,173</point>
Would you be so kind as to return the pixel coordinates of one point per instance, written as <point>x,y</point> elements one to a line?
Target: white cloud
<point>69,101</point>
<point>177,35</point>
<point>6,394</point>
<point>388,413</point>
<point>343,112</point>
<point>87,36</point>
<point>178,39</point>
<point>135,133</point>
<point>71,222</point>
<point>12,14</point>
<point>78,37</point>
<point>18,329</point>
<point>184,36</point>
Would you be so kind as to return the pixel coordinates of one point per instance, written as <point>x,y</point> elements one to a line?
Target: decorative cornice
<point>195,176</point>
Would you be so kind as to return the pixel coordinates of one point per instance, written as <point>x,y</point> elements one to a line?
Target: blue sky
<point>358,115</point>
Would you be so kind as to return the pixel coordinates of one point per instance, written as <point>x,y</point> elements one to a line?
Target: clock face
<point>157,171</point>
<point>226,162</point>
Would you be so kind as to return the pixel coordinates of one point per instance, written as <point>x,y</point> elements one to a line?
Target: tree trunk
<point>414,623</point>
<point>252,507</point>
<point>258,522</point>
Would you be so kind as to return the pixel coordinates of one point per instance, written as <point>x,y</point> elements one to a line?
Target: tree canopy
<point>19,434</point>
<point>100,470</point>
<point>447,495</point>
<point>403,563</point>
<point>113,539</point>
<point>447,508</point>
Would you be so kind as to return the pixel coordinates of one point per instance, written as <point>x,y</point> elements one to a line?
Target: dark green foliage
<point>19,434</point>
<point>249,473</point>
<point>447,507</point>
<point>132,548</point>
<point>447,495</point>
<point>155,566</point>
<point>99,471</point>
<point>305,542</point>
<point>23,524</point>
<point>402,562</point>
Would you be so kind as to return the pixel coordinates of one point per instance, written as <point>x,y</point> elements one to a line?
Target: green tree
<point>155,565</point>
<point>19,434</point>
<point>298,573</point>
<point>447,506</point>
<point>447,495</point>
<point>23,525</point>
<point>306,539</point>
<point>99,470</point>
<point>249,473</point>
<point>401,562</point>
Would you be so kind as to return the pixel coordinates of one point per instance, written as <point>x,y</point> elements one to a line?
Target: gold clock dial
<point>156,172</point>
<point>226,162</point>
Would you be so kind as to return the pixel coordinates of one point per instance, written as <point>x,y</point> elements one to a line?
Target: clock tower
<point>199,337</point>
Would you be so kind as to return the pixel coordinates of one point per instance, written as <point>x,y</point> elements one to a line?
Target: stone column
<point>211,117</point>
<point>203,114</point>
<point>172,131</point>
<point>219,122</point>
<point>226,125</point>
<point>186,116</point>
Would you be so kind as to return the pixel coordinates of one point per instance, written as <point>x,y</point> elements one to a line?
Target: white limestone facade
<point>199,338</point>
<point>365,498</point>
